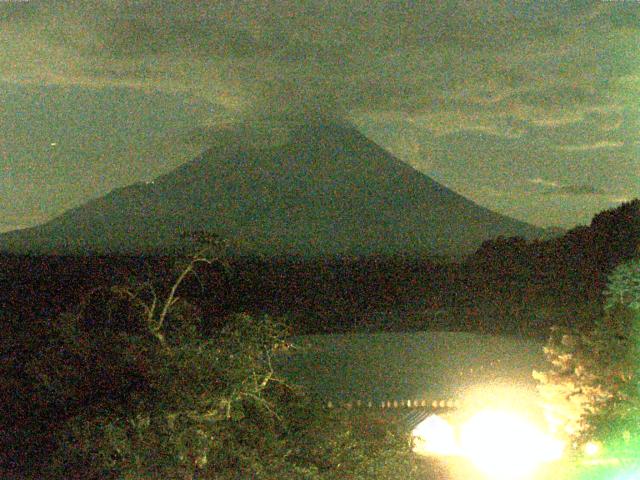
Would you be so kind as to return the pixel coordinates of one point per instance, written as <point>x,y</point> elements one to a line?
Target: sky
<point>528,108</point>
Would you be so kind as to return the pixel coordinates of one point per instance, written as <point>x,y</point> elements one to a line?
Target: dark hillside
<point>327,191</point>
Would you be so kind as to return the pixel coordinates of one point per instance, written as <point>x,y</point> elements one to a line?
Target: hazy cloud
<point>592,146</point>
<point>546,183</point>
<point>556,188</point>
<point>575,190</point>
<point>286,55</point>
<point>559,120</point>
<point>481,93</point>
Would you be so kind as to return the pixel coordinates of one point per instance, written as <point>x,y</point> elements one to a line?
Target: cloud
<point>443,123</point>
<point>559,120</point>
<point>14,221</point>
<point>621,199</point>
<point>576,190</point>
<point>557,188</point>
<point>592,146</point>
<point>290,55</point>
<point>527,76</point>
<point>560,95</point>
<point>546,183</point>
<point>612,123</point>
<point>7,227</point>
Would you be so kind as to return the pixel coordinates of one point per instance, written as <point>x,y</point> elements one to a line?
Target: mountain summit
<point>323,189</point>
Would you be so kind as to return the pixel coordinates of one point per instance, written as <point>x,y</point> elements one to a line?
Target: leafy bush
<point>592,386</point>
<point>621,327</point>
<point>215,408</point>
<point>160,399</point>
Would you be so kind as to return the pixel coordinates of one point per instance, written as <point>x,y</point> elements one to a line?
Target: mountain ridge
<point>328,189</point>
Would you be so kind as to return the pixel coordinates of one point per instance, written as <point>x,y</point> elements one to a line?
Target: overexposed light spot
<point>592,448</point>
<point>53,144</point>
<point>435,436</point>
<point>506,446</point>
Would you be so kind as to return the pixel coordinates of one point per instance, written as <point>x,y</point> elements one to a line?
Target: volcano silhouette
<point>325,190</point>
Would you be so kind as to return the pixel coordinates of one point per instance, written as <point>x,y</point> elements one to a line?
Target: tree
<point>571,387</point>
<point>592,388</point>
<point>158,391</point>
<point>175,403</point>
<point>621,326</point>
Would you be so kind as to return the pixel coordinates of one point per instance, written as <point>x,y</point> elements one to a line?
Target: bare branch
<point>170,299</point>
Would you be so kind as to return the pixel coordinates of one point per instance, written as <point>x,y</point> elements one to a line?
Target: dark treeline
<point>492,290</point>
<point>575,264</point>
<point>334,289</point>
<point>507,286</point>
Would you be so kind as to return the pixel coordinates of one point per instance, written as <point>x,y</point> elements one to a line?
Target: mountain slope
<point>327,190</point>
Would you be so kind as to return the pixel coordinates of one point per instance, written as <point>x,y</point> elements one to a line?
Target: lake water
<point>400,366</point>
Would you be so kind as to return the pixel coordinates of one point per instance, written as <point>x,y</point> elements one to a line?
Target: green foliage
<point>592,387</point>
<point>162,400</point>
<point>77,363</point>
<point>621,328</point>
<point>216,409</point>
<point>571,387</point>
<point>338,445</point>
<point>188,392</point>
<point>623,288</point>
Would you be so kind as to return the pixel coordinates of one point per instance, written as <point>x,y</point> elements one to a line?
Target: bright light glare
<point>634,475</point>
<point>592,448</point>
<point>505,446</point>
<point>435,436</point>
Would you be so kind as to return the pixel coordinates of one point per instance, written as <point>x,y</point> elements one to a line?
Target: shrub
<point>190,394</point>
<point>592,386</point>
<point>165,401</point>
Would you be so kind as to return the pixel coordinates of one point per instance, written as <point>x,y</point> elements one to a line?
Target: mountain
<point>322,188</point>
